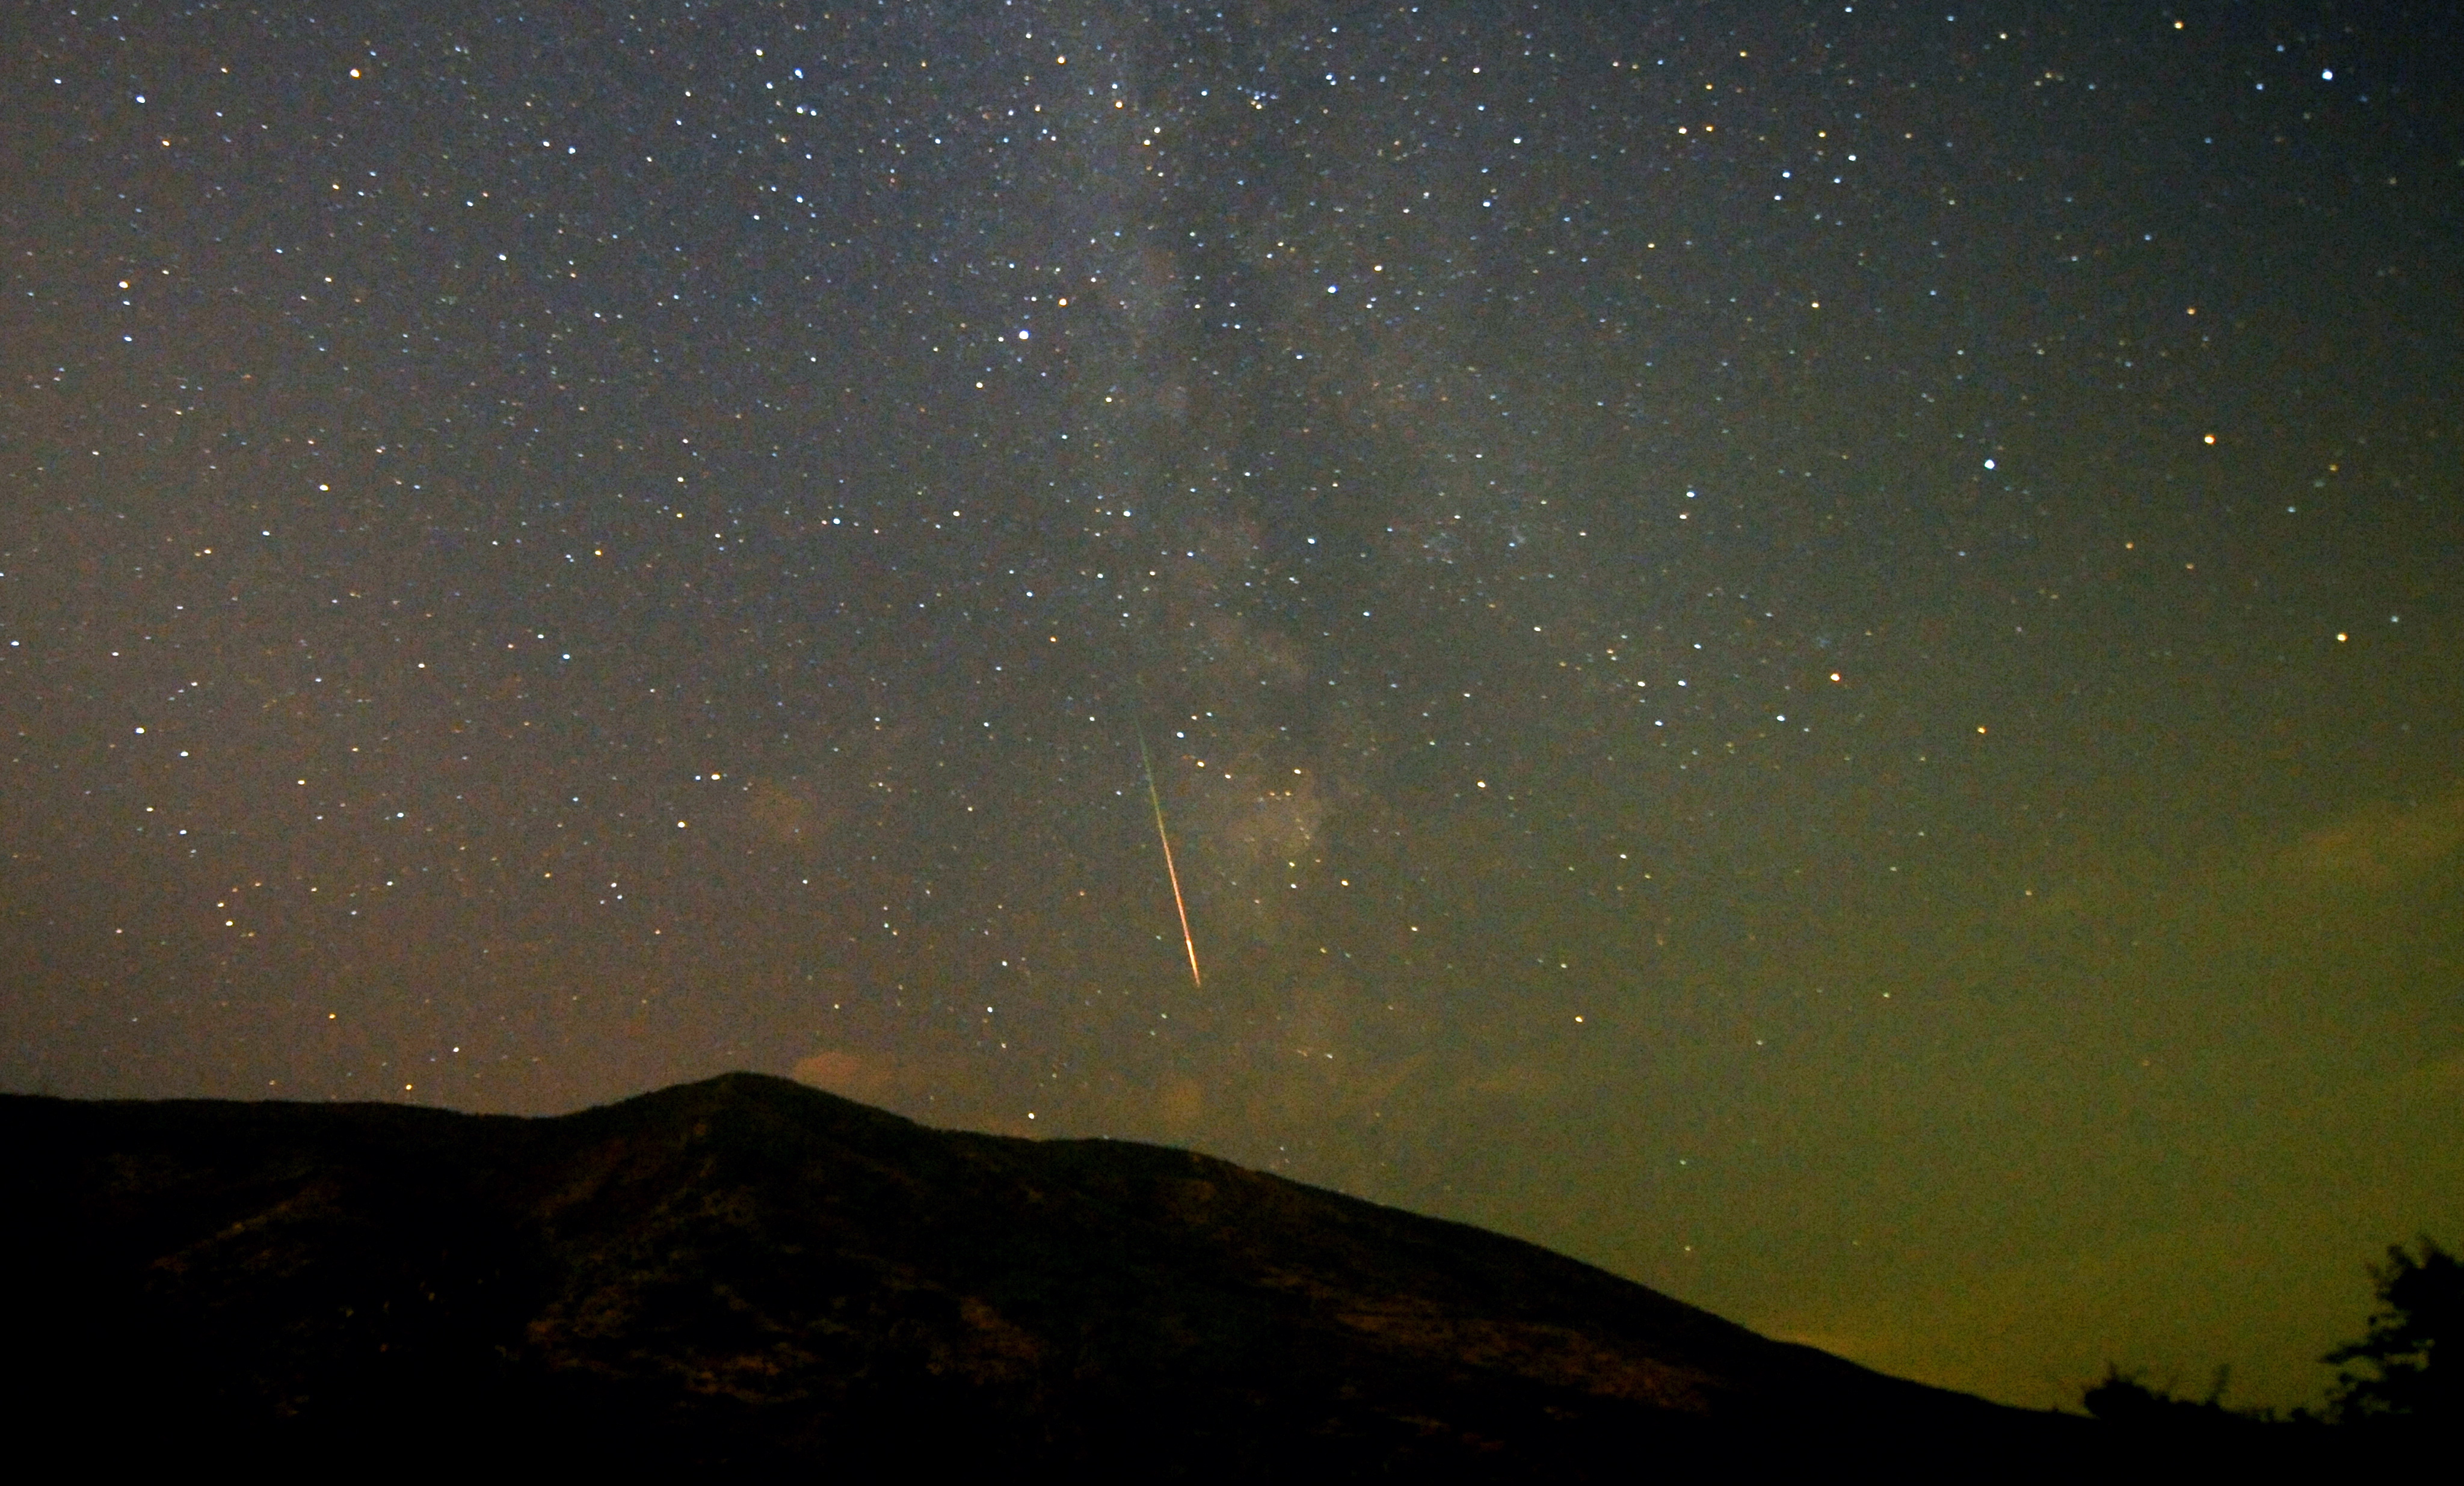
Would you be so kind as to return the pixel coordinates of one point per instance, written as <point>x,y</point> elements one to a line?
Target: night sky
<point>1807,651</point>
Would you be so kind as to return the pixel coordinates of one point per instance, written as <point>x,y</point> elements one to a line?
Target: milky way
<point>1806,651</point>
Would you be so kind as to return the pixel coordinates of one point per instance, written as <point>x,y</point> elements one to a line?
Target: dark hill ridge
<point>746,1270</point>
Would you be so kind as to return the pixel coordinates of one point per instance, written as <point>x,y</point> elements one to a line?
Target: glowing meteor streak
<point>1170,871</point>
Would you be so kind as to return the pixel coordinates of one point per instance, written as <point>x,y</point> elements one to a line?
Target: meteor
<point>1170,871</point>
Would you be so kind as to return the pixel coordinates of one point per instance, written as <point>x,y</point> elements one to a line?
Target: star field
<point>1807,651</point>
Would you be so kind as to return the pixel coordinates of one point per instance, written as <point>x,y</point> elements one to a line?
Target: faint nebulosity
<point>1808,651</point>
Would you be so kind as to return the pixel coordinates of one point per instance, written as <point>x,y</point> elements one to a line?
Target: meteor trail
<point>1170,871</point>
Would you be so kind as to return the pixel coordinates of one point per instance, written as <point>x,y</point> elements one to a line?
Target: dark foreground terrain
<point>750,1273</point>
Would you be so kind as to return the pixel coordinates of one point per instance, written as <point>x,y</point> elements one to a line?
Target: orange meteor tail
<point>1171,873</point>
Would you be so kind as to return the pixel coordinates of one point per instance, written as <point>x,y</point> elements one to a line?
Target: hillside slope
<point>748,1272</point>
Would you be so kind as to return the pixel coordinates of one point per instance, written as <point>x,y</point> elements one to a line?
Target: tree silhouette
<point>2415,1352</point>
<point>2127,1401</point>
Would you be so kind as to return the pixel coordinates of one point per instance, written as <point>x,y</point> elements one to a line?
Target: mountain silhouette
<point>748,1272</point>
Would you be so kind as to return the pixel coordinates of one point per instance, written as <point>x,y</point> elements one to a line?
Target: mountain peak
<point>744,1270</point>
